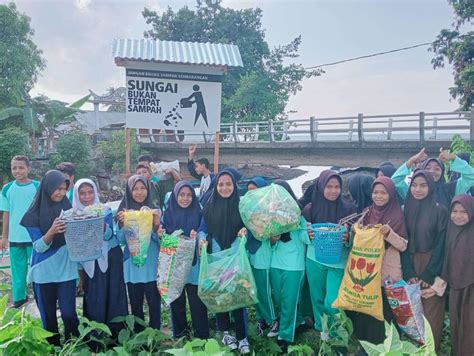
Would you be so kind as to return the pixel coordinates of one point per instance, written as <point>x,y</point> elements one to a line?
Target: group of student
<point>427,223</point>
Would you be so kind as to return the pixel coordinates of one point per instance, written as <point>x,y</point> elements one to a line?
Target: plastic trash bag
<point>361,290</point>
<point>158,169</point>
<point>405,302</point>
<point>174,263</point>
<point>269,211</point>
<point>225,280</point>
<point>137,227</point>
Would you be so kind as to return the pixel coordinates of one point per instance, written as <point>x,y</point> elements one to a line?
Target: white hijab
<point>89,266</point>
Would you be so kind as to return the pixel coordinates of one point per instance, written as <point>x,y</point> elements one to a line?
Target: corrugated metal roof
<point>214,54</point>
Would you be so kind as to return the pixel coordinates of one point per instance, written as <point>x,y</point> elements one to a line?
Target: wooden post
<point>270,129</point>
<point>128,147</point>
<point>472,126</point>
<point>422,127</point>
<point>389,131</point>
<point>360,127</point>
<point>216,152</point>
<point>312,128</point>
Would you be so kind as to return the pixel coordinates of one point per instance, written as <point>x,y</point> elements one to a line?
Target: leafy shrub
<point>13,141</point>
<point>113,152</point>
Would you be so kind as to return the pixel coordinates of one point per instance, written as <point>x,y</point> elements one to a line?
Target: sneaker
<point>229,341</point>
<point>283,345</point>
<point>244,346</point>
<point>274,330</point>
<point>261,326</point>
<point>18,304</point>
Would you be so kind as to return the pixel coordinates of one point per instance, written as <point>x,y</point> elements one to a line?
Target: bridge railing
<point>436,126</point>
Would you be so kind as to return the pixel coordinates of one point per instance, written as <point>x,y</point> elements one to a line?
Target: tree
<point>113,152</point>
<point>20,58</point>
<point>457,49</point>
<point>261,89</point>
<point>13,141</point>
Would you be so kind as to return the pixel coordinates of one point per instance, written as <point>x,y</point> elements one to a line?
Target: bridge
<point>345,141</point>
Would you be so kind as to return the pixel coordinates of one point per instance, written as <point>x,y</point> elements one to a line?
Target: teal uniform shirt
<point>263,257</point>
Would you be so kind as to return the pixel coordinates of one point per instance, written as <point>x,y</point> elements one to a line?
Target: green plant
<point>20,334</point>
<point>458,145</point>
<point>13,141</point>
<point>262,345</point>
<point>75,147</point>
<point>87,332</point>
<point>393,346</point>
<point>113,152</point>
<point>338,332</point>
<point>300,350</point>
<point>200,347</point>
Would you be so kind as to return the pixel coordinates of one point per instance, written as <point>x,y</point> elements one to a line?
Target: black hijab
<point>128,202</point>
<point>444,191</point>
<point>321,210</point>
<point>222,215</point>
<point>360,187</point>
<point>387,168</point>
<point>43,211</point>
<point>425,219</point>
<point>286,236</point>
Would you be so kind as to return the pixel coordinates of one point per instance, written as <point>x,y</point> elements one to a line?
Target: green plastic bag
<point>269,211</point>
<point>226,281</point>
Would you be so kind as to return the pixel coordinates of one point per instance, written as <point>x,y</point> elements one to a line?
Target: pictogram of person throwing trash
<point>196,98</point>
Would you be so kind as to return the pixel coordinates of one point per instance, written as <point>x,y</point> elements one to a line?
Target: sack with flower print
<point>360,290</point>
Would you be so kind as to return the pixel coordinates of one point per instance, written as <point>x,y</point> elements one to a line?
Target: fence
<point>438,126</point>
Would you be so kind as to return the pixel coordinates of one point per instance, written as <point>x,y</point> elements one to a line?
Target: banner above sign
<point>173,100</point>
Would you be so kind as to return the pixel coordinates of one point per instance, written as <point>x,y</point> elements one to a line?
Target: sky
<point>76,38</point>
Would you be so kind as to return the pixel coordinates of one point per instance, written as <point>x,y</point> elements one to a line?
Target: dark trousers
<point>137,293</point>
<point>198,314</point>
<point>105,296</point>
<point>64,293</point>
<point>240,321</point>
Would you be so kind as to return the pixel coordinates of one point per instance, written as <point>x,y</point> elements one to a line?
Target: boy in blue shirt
<point>15,200</point>
<point>69,170</point>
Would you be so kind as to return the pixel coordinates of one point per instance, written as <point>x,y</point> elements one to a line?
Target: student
<point>15,199</point>
<point>287,275</point>
<point>52,273</point>
<point>458,271</point>
<point>184,213</point>
<point>199,169</point>
<point>422,261</point>
<point>385,211</point>
<point>220,226</point>
<point>144,169</point>
<point>69,170</point>
<point>141,281</point>
<point>327,206</point>
<point>444,191</point>
<point>385,169</point>
<point>360,187</point>
<point>105,296</point>
<point>260,256</point>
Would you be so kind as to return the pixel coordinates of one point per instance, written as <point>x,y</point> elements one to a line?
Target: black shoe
<point>261,326</point>
<point>18,304</point>
<point>283,346</point>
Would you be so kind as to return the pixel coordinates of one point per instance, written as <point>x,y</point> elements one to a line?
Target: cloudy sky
<point>76,37</point>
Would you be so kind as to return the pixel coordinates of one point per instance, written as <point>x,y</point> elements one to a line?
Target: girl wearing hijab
<point>385,211</point>
<point>287,275</point>
<point>105,296</point>
<point>184,213</point>
<point>141,281</point>
<point>220,226</point>
<point>360,187</point>
<point>444,191</point>
<point>260,255</point>
<point>386,169</point>
<point>458,271</point>
<point>327,206</point>
<point>426,221</point>
<point>52,273</point>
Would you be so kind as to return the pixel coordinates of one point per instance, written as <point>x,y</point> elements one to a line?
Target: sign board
<point>173,100</point>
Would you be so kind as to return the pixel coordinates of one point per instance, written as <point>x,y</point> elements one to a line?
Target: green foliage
<point>457,49</point>
<point>300,350</point>
<point>262,345</point>
<point>20,58</point>
<point>261,89</point>
<point>75,147</point>
<point>200,347</point>
<point>339,331</point>
<point>13,142</point>
<point>458,145</point>
<point>113,152</point>
<point>393,346</point>
<point>20,334</point>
